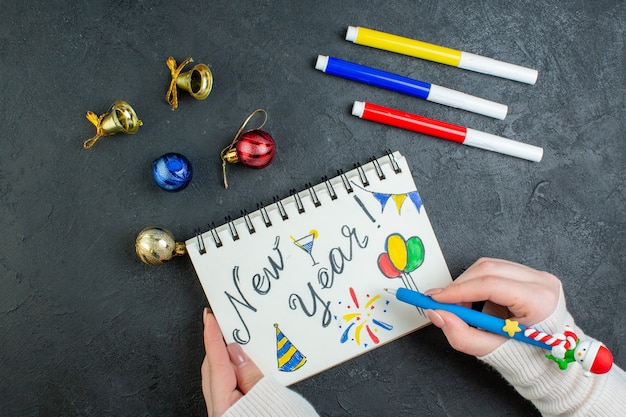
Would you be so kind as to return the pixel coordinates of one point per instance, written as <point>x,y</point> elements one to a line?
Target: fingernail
<point>433,291</point>
<point>435,318</point>
<point>205,312</point>
<point>237,357</point>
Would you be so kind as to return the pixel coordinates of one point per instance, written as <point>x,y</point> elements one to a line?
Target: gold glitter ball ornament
<point>156,245</point>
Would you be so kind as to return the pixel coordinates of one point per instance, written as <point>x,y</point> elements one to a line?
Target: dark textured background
<point>87,330</point>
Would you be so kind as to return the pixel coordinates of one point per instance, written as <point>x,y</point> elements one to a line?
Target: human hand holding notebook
<point>299,283</point>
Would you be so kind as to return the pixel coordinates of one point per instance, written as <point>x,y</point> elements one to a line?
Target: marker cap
<point>502,145</point>
<point>351,33</point>
<point>491,66</point>
<point>358,108</point>
<point>459,100</point>
<point>321,63</point>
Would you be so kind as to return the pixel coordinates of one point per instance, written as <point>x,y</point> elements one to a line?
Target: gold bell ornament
<point>198,81</point>
<point>120,119</point>
<point>156,245</point>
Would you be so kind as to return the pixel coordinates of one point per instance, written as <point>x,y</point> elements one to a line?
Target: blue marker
<point>507,328</point>
<point>405,85</point>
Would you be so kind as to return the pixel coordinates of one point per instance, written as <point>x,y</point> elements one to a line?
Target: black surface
<point>87,330</point>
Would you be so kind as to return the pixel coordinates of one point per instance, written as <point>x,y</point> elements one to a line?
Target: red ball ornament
<point>254,148</point>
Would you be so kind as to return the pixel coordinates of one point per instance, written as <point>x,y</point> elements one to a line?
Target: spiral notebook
<point>300,283</point>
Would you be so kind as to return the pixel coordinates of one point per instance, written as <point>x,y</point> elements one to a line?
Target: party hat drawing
<point>289,358</point>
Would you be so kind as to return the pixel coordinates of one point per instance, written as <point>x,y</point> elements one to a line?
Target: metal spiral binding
<point>232,228</point>
<point>248,220</point>
<point>330,188</point>
<point>215,236</point>
<point>362,175</point>
<point>299,204</point>
<point>345,181</point>
<point>394,164</point>
<point>377,168</point>
<point>316,201</point>
<point>281,208</point>
<point>200,240</point>
<point>264,215</point>
<point>298,200</point>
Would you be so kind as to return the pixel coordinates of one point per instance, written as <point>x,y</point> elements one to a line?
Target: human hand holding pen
<point>227,372</point>
<point>510,290</point>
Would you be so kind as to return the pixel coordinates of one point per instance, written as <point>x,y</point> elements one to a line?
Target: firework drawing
<point>358,322</point>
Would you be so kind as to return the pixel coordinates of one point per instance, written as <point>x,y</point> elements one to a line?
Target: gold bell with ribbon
<point>198,81</point>
<point>120,119</point>
<point>156,245</point>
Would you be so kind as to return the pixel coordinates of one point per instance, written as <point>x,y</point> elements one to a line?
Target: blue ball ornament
<point>172,171</point>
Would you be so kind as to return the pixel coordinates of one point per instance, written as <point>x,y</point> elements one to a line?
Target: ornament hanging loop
<point>229,153</point>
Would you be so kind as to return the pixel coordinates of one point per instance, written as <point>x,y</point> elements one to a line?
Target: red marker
<point>443,130</point>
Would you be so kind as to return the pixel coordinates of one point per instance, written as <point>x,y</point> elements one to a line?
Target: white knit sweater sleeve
<point>268,398</point>
<point>558,392</point>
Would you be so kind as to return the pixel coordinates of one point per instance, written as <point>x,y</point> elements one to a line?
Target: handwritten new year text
<point>311,302</point>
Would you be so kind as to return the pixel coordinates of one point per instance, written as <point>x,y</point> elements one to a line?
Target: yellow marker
<point>404,46</point>
<point>440,54</point>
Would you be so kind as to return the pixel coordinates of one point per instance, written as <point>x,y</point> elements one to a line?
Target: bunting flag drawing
<point>398,199</point>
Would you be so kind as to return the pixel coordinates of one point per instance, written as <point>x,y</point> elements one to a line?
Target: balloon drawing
<point>401,257</point>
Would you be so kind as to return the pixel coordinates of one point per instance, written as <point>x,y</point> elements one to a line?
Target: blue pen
<point>405,85</point>
<point>592,355</point>
<point>507,328</point>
